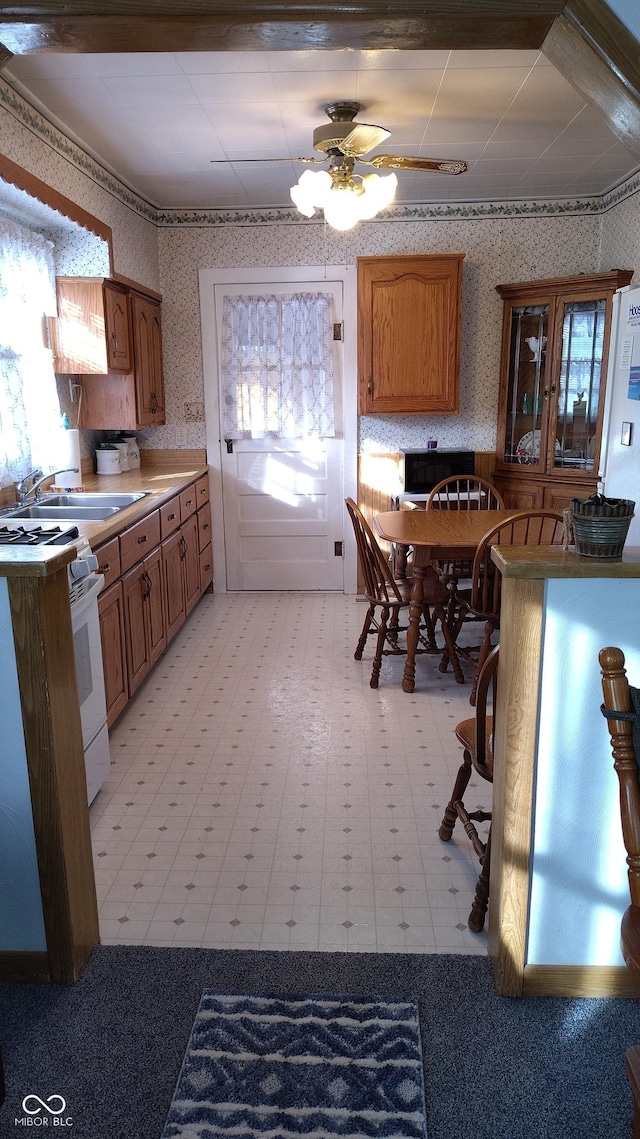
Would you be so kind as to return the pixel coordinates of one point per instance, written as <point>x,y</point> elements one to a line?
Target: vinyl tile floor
<point>263,796</point>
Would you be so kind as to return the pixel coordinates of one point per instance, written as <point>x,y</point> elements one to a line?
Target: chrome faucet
<point>24,491</point>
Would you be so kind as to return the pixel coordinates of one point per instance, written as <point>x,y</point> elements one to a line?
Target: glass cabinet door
<point>524,443</point>
<point>583,327</point>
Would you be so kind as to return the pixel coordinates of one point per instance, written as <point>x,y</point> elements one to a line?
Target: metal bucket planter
<point>600,525</point>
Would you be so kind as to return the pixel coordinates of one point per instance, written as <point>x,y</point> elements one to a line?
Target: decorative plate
<point>528,449</point>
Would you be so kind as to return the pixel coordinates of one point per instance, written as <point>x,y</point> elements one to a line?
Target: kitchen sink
<point>87,498</point>
<point>75,513</point>
<point>81,506</point>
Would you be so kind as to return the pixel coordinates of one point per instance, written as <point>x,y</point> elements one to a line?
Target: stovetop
<point>37,535</point>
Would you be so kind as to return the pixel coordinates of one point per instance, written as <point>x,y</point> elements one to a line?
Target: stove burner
<point>37,536</point>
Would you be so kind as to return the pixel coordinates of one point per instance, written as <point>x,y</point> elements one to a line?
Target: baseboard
<point>580,981</point>
<point>27,966</point>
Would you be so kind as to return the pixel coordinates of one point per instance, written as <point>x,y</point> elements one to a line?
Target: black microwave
<point>425,469</point>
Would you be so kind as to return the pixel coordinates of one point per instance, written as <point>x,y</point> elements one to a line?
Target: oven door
<point>88,657</point>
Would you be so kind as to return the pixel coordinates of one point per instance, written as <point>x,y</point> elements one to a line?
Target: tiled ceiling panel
<point>178,128</point>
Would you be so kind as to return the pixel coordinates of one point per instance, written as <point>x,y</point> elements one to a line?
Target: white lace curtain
<point>277,366</point>
<point>29,406</point>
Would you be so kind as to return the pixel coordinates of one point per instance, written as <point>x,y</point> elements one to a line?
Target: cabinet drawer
<point>206,568</point>
<point>139,540</point>
<point>188,502</point>
<point>204,526</point>
<point>202,490</point>
<point>170,516</point>
<point>108,556</point>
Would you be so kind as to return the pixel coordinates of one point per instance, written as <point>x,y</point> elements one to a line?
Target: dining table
<point>434,536</point>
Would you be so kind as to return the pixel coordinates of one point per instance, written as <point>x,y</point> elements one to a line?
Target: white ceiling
<point>157,120</point>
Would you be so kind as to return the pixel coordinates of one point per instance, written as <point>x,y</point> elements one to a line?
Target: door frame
<point>208,279</point>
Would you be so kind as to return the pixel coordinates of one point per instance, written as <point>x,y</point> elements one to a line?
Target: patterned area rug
<point>315,1066</point>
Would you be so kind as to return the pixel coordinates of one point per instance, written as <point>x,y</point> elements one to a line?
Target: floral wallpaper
<point>496,250</point>
<point>164,249</point>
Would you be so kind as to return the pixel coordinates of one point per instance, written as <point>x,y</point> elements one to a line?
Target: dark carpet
<point>113,1045</point>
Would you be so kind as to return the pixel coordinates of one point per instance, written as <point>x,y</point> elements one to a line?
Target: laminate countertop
<point>157,478</point>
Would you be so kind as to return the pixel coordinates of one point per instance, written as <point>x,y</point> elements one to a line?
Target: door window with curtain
<point>29,406</point>
<point>277,366</point>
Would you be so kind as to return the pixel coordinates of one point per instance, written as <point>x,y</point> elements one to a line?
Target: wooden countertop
<point>551,561</point>
<point>159,479</point>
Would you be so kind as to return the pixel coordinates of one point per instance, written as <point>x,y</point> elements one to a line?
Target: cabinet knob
<point>142,539</point>
<point>370,385</point>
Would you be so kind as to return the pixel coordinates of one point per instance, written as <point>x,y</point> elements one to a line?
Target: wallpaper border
<point>39,125</point>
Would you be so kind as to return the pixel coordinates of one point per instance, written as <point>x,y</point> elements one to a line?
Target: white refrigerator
<point>619,473</point>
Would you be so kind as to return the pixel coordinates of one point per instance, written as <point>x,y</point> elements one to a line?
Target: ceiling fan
<point>346,196</point>
<point>342,138</point>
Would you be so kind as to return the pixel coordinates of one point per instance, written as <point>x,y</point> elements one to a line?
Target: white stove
<point>84,586</point>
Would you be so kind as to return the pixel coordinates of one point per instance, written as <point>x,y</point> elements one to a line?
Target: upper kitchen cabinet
<point>110,334</point>
<point>94,326</point>
<point>555,343</point>
<point>409,311</point>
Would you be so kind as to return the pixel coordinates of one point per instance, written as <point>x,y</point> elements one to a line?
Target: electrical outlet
<point>181,435</point>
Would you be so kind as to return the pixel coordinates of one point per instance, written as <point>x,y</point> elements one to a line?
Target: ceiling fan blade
<point>407,162</point>
<point>236,161</point>
<point>363,138</point>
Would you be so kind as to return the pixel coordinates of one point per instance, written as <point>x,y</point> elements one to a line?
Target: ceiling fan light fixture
<point>345,200</point>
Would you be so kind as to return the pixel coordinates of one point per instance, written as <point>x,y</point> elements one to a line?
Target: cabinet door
<point>206,568</point>
<point>204,526</point>
<point>117,318</point>
<point>409,334</point>
<point>191,562</point>
<point>175,609</point>
<point>134,592</point>
<point>518,494</point>
<point>579,385</point>
<point>557,496</point>
<point>114,657</point>
<point>147,350</point>
<point>155,611</point>
<point>524,409</point>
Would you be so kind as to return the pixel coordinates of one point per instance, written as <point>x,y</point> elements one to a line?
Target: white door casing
<point>278,505</point>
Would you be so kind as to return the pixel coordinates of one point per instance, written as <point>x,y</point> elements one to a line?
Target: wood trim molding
<point>55,760</point>
<point>597,53</point>
<point>515,749</point>
<point>580,981</point>
<point>17,966</point>
<point>216,25</point>
<point>36,188</point>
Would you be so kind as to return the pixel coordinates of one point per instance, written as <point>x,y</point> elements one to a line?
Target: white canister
<point>107,460</point>
<point>123,448</point>
<point>134,453</point>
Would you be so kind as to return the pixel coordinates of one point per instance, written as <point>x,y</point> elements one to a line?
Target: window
<point>29,407</point>
<point>277,366</point>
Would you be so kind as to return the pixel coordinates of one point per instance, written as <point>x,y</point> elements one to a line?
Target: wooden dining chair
<point>465,492</point>
<point>476,737</point>
<point>622,711</point>
<point>388,596</point>
<point>481,602</point>
<point>462,492</point>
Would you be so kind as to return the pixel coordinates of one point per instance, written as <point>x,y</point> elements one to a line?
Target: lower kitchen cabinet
<point>114,658</point>
<point>144,620</point>
<point>172,559</point>
<point>181,566</point>
<point>147,599</point>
